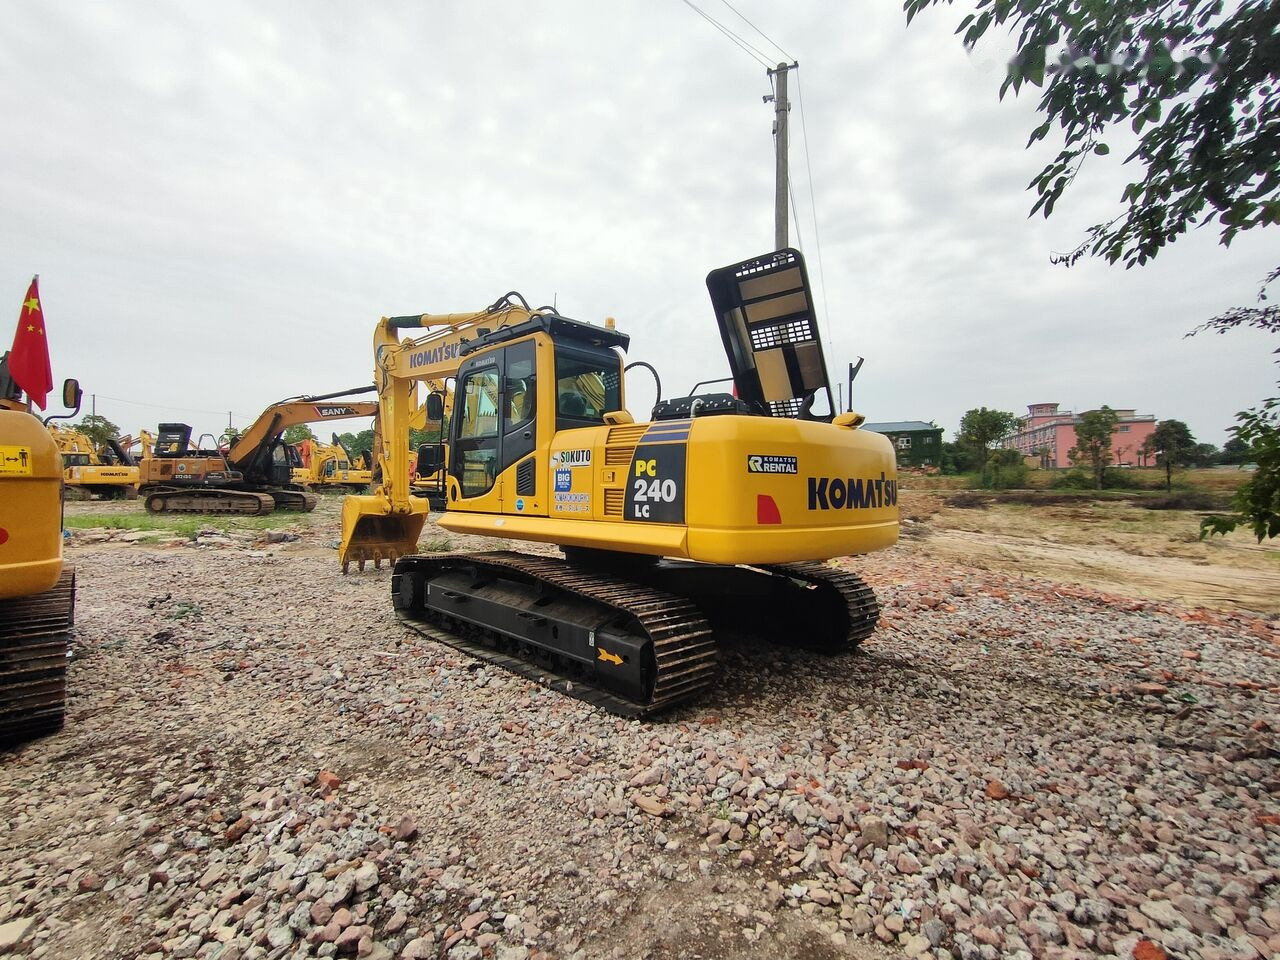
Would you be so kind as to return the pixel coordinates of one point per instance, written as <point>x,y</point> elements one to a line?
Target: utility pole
<point>781,108</point>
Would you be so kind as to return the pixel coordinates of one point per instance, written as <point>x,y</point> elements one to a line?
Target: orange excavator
<point>254,474</point>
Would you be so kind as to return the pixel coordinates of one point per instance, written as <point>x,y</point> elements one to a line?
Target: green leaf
<point>1101,149</point>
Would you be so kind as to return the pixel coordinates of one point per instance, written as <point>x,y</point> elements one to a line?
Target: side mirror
<point>435,407</point>
<point>72,394</point>
<point>430,459</point>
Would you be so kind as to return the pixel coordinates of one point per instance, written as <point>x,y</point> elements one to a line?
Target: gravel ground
<point>259,761</point>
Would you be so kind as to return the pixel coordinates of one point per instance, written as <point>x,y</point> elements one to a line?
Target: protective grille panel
<point>765,312</point>
<point>614,500</point>
<point>526,479</point>
<point>620,445</point>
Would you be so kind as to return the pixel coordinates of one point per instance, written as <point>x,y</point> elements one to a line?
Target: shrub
<point>1185,501</point>
<point>1072,480</point>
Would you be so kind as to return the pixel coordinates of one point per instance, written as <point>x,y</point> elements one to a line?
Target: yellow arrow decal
<point>608,657</point>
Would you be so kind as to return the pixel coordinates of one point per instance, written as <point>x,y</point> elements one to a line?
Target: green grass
<point>181,526</point>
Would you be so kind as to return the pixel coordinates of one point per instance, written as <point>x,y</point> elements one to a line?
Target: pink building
<point>1048,434</point>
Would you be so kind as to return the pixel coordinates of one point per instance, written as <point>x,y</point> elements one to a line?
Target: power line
<point>785,55</point>
<point>795,216</point>
<point>817,238</point>
<point>746,48</point>
<point>165,406</point>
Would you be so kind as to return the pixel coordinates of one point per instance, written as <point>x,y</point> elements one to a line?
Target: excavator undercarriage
<point>35,632</point>
<point>635,640</point>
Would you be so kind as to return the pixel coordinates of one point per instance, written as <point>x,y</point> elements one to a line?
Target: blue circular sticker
<point>520,504</point>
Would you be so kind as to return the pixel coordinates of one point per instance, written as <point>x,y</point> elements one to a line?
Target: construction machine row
<point>717,515</point>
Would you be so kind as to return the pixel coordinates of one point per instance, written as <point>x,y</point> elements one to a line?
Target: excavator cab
<point>172,440</point>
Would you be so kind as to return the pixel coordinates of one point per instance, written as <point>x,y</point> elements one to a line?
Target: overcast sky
<point>222,199</point>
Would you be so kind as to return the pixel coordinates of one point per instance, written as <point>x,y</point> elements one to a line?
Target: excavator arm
<point>251,451</point>
<point>387,524</point>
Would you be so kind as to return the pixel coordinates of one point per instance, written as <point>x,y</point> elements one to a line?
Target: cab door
<point>495,427</point>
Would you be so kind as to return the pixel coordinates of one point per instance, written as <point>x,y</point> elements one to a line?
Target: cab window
<point>478,432</point>
<point>521,393</point>
<point>586,389</point>
<point>480,406</point>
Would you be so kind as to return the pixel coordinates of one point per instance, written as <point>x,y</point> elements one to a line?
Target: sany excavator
<point>37,591</point>
<point>86,468</point>
<point>254,474</point>
<point>717,513</point>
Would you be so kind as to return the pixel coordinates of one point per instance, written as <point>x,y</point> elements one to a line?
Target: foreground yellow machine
<point>716,514</point>
<point>85,468</point>
<point>37,592</point>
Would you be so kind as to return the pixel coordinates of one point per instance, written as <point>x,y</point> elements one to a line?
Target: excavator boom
<point>387,524</point>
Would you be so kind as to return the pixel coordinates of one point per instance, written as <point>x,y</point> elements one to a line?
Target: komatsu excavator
<point>37,591</point>
<point>719,512</point>
<point>97,473</point>
<point>254,474</point>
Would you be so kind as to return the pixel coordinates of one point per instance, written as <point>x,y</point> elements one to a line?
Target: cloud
<point>222,199</point>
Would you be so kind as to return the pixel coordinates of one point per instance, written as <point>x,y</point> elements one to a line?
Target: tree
<point>1004,470</point>
<point>1093,442</point>
<point>297,433</point>
<point>957,458</point>
<point>1174,446</point>
<point>1147,451</point>
<point>1196,80</point>
<point>1257,500</point>
<point>981,428</point>
<point>1234,451</point>
<point>1199,83</point>
<point>98,429</point>
<point>1204,455</point>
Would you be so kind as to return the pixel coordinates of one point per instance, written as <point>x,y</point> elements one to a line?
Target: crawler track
<point>174,500</point>
<point>839,589</point>
<point>622,646</point>
<point>34,634</point>
<point>294,500</point>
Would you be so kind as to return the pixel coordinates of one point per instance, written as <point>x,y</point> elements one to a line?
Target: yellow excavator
<point>717,513</point>
<point>330,466</point>
<point>37,591</point>
<point>253,474</point>
<point>85,467</point>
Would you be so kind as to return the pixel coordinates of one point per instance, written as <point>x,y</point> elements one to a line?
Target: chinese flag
<point>29,358</point>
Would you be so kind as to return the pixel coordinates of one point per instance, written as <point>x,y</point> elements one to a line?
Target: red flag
<point>29,358</point>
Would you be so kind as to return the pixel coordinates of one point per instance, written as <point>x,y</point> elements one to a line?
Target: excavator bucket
<point>370,531</point>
